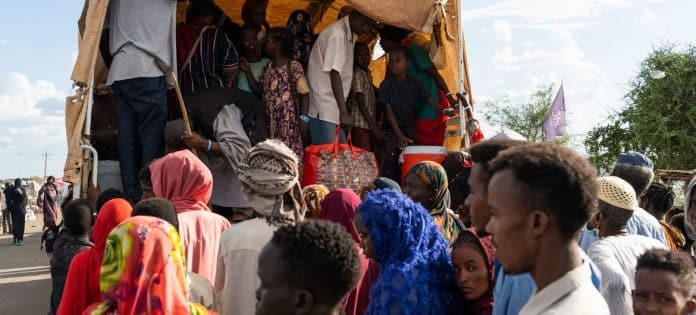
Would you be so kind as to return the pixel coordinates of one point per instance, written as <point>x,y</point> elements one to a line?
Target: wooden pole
<point>182,106</point>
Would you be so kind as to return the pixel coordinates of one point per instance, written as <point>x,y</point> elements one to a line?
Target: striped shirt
<point>616,257</point>
<point>213,54</point>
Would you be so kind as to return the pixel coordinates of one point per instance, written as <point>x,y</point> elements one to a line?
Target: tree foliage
<point>526,119</point>
<point>660,117</point>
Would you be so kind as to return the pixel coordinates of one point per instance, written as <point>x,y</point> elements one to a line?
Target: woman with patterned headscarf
<point>82,283</point>
<point>269,177</point>
<point>300,25</point>
<point>144,271</point>
<point>415,274</point>
<point>313,196</point>
<point>427,183</point>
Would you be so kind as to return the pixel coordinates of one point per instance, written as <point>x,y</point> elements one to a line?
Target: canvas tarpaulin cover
<point>416,15</point>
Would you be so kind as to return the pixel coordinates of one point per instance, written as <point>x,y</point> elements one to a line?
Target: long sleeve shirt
<point>235,145</point>
<point>616,257</point>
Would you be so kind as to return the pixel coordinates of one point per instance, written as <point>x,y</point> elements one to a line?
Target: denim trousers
<point>323,132</point>
<point>142,115</point>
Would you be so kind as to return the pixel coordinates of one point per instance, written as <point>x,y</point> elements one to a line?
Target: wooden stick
<point>182,106</point>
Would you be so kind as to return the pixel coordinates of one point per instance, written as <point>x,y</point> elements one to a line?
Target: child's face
<point>270,47</point>
<point>362,56</point>
<point>275,295</point>
<point>250,41</point>
<point>398,64</point>
<point>659,292</point>
<point>365,239</point>
<point>470,272</point>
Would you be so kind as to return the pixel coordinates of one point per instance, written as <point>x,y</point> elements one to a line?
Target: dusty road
<point>25,281</point>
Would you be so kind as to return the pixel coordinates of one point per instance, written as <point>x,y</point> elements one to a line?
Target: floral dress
<point>283,104</point>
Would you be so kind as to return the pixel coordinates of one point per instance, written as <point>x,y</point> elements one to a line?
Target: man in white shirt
<point>539,197</point>
<point>142,41</point>
<point>617,252</point>
<point>330,74</point>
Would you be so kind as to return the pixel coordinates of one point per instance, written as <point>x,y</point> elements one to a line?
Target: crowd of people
<point>242,84</point>
<point>221,224</point>
<point>513,245</point>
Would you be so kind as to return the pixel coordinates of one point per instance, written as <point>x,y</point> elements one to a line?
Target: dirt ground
<point>25,280</point>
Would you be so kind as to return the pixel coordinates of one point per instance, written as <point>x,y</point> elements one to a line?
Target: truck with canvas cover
<point>90,113</point>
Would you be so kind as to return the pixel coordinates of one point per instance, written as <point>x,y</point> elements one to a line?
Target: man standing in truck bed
<point>142,43</point>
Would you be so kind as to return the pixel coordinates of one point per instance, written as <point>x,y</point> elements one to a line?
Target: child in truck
<point>402,93</point>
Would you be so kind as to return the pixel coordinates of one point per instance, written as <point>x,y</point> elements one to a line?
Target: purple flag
<point>554,124</point>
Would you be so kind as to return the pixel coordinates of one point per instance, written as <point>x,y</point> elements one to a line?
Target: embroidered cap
<point>617,192</point>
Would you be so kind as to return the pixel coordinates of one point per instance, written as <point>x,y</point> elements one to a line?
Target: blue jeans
<point>142,116</point>
<point>322,132</point>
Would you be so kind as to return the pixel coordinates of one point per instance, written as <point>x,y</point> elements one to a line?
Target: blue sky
<point>593,46</point>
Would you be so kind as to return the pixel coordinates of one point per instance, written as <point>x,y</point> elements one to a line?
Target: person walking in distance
<point>17,202</point>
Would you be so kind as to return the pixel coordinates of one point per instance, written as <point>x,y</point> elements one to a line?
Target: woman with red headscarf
<point>183,179</point>
<point>82,284</point>
<point>340,206</point>
<point>472,257</point>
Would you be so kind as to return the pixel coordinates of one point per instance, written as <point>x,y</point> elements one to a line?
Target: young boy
<point>362,102</point>
<point>72,239</point>
<point>401,93</point>
<point>295,265</point>
<point>664,282</point>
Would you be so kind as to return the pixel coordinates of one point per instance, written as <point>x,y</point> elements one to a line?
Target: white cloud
<point>3,42</point>
<point>502,31</point>
<point>588,87</point>
<point>544,11</point>
<point>26,125</point>
<point>20,98</point>
<point>646,16</point>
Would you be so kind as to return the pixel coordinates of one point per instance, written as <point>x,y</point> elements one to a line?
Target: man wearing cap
<point>637,170</point>
<point>617,252</point>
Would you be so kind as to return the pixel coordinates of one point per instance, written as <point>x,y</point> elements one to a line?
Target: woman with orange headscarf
<point>144,271</point>
<point>183,179</point>
<point>82,283</point>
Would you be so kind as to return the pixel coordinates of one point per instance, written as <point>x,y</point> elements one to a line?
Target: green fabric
<point>256,70</point>
<point>420,63</point>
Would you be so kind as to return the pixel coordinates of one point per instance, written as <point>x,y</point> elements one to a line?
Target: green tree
<point>660,116</point>
<point>527,119</point>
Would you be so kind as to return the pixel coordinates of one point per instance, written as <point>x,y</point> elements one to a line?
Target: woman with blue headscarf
<point>415,270</point>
